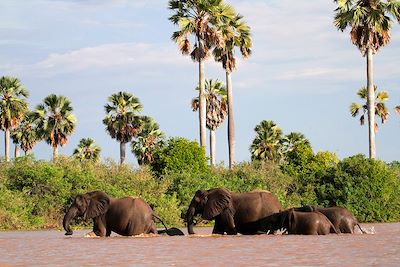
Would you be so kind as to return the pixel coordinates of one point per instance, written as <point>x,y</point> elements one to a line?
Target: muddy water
<point>52,248</point>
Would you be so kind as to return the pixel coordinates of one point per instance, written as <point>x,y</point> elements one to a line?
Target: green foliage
<point>42,191</point>
<point>148,142</point>
<point>87,150</point>
<point>122,119</point>
<point>15,214</point>
<point>35,194</point>
<point>12,102</point>
<point>369,188</point>
<point>55,120</point>
<point>267,142</point>
<point>179,156</point>
<point>42,185</point>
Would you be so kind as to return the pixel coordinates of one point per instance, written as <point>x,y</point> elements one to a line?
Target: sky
<point>303,73</point>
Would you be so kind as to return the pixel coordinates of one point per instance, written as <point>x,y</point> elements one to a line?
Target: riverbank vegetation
<point>34,193</point>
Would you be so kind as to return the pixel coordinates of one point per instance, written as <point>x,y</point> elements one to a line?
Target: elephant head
<point>277,221</point>
<point>208,203</point>
<point>89,205</point>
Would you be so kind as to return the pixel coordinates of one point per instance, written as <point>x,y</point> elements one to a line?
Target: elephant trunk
<point>189,219</point>
<point>69,216</point>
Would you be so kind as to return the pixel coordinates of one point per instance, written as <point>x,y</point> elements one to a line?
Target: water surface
<point>53,248</point>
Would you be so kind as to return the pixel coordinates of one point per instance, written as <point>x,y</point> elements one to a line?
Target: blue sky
<point>303,73</point>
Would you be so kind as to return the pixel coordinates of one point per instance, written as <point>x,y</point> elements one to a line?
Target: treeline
<point>34,194</point>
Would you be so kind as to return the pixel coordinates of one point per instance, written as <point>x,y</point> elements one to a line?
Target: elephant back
<point>260,191</point>
<point>260,203</point>
<point>271,202</point>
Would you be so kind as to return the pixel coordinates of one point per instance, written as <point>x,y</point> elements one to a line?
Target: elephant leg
<point>153,228</point>
<point>218,227</point>
<point>99,228</point>
<point>108,232</point>
<point>229,223</point>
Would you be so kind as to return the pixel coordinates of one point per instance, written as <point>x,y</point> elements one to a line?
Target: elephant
<point>343,220</point>
<point>125,216</point>
<point>233,212</point>
<point>298,222</point>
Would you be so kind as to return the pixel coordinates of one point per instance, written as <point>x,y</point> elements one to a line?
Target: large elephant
<point>343,220</point>
<point>125,216</point>
<point>233,212</point>
<point>298,222</point>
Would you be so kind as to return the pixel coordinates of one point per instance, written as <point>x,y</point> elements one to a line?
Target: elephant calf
<point>343,220</point>
<point>301,223</point>
<point>126,216</point>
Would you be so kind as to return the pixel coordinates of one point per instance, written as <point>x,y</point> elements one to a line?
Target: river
<point>53,248</point>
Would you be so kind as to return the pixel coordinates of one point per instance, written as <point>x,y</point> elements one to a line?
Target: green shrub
<point>47,189</point>
<point>41,191</point>
<point>308,170</point>
<point>15,214</point>
<point>43,186</point>
<point>369,188</point>
<point>179,156</point>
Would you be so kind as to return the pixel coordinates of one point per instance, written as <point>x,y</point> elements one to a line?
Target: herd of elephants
<point>256,212</point>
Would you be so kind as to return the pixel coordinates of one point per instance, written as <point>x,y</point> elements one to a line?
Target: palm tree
<point>148,142</point>
<point>16,147</point>
<point>267,143</point>
<point>293,140</point>
<point>55,121</point>
<point>122,120</point>
<point>236,34</point>
<point>195,18</point>
<point>370,26</point>
<point>12,107</point>
<point>25,135</point>
<point>216,110</point>
<point>380,108</point>
<point>87,150</point>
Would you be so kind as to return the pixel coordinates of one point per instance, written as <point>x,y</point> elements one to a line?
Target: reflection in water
<point>43,248</point>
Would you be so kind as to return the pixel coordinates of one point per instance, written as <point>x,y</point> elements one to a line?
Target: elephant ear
<point>217,201</point>
<point>283,217</point>
<point>98,204</point>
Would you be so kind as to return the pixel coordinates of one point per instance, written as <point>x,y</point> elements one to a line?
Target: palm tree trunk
<point>7,144</point>
<point>16,151</point>
<point>212,147</point>
<point>371,104</point>
<point>202,102</point>
<point>231,120</point>
<point>122,147</point>
<point>55,153</point>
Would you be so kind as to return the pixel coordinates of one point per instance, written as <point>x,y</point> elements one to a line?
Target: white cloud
<point>108,56</point>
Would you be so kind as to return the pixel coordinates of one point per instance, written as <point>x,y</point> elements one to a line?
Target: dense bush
<point>369,188</point>
<point>34,194</point>
<point>15,212</point>
<point>43,190</point>
<point>179,156</point>
<point>308,170</point>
